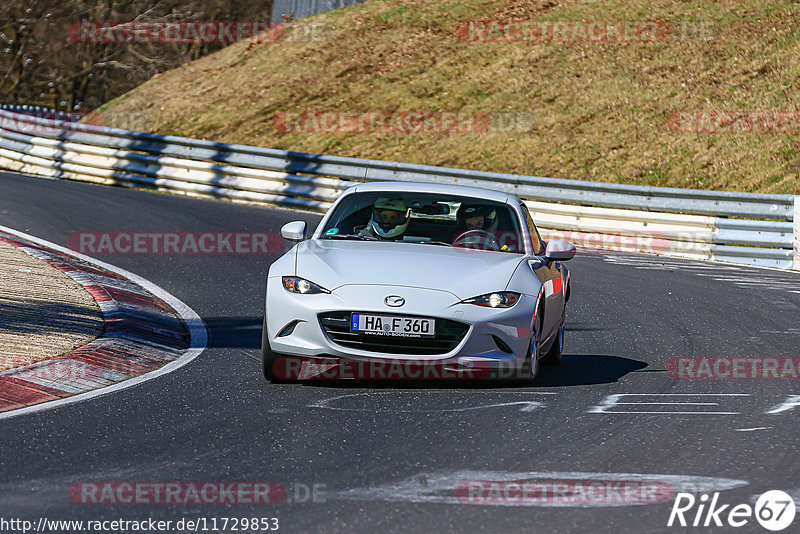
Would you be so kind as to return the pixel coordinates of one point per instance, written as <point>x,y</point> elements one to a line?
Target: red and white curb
<point>147,333</point>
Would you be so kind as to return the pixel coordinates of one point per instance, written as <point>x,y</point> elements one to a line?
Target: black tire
<point>530,368</point>
<point>269,359</point>
<point>553,356</point>
<point>526,373</point>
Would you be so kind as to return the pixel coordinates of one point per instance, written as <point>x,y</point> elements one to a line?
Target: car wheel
<point>553,356</point>
<point>530,368</point>
<point>269,359</point>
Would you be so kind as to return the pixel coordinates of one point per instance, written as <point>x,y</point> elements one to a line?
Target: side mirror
<point>294,231</point>
<point>559,250</point>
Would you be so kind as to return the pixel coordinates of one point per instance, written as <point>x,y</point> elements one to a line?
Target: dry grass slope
<point>593,111</point>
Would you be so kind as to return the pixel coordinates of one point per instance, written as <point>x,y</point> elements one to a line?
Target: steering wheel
<point>485,240</point>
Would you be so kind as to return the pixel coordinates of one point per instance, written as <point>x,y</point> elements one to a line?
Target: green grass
<point>584,110</point>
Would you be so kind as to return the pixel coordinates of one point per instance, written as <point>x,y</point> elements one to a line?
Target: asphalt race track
<point>390,457</point>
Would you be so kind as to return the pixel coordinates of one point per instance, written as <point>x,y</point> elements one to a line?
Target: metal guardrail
<point>43,112</point>
<point>739,227</point>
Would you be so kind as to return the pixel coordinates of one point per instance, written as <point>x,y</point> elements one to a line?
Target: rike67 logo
<point>774,510</point>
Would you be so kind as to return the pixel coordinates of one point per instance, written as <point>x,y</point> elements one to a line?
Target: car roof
<point>429,187</point>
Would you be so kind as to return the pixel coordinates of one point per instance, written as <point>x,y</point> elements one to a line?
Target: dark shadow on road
<point>416,384</point>
<point>574,370</point>
<point>587,369</point>
<point>234,332</point>
<point>583,327</point>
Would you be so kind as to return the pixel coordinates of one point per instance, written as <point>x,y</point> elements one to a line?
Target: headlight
<point>501,299</point>
<point>295,284</point>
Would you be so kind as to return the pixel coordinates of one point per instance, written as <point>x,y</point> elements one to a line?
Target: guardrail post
<point>796,225</point>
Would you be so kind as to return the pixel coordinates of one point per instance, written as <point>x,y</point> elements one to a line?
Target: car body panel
<point>433,282</point>
<point>465,273</point>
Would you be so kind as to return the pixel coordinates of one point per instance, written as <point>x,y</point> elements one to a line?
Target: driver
<point>389,219</point>
<point>477,224</point>
<point>476,217</point>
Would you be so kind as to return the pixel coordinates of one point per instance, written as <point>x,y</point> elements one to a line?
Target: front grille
<point>448,335</point>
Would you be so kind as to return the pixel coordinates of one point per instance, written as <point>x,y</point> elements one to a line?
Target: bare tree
<point>43,61</point>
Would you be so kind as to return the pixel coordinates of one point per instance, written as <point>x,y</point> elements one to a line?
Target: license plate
<point>392,325</point>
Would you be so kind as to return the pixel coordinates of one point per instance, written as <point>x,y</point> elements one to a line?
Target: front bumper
<point>477,349</point>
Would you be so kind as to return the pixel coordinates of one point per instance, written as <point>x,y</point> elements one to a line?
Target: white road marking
<point>752,429</point>
<point>763,285</point>
<point>527,406</point>
<point>790,403</point>
<point>793,493</point>
<point>197,331</point>
<point>674,413</point>
<point>611,401</point>
<point>717,268</point>
<point>441,487</point>
<point>790,331</point>
<point>768,277</point>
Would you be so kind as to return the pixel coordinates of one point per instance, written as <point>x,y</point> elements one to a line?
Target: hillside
<point>605,107</point>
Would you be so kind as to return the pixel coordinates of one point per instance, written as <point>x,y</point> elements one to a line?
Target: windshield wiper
<point>440,243</point>
<point>350,236</point>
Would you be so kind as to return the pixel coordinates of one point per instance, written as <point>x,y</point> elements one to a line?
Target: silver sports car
<point>412,280</point>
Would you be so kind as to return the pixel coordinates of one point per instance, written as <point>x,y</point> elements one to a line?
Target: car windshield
<point>426,219</point>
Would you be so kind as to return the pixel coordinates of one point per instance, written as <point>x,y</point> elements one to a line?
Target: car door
<point>550,275</point>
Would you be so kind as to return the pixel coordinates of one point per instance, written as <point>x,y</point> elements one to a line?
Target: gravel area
<point>43,312</point>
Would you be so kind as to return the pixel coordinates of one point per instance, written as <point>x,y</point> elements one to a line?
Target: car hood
<point>464,273</point>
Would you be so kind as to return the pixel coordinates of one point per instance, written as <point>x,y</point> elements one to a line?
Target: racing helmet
<point>468,211</point>
<point>389,217</point>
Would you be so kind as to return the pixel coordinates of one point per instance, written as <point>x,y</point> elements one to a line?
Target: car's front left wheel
<point>530,367</point>
<point>270,361</point>
<point>553,356</point>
